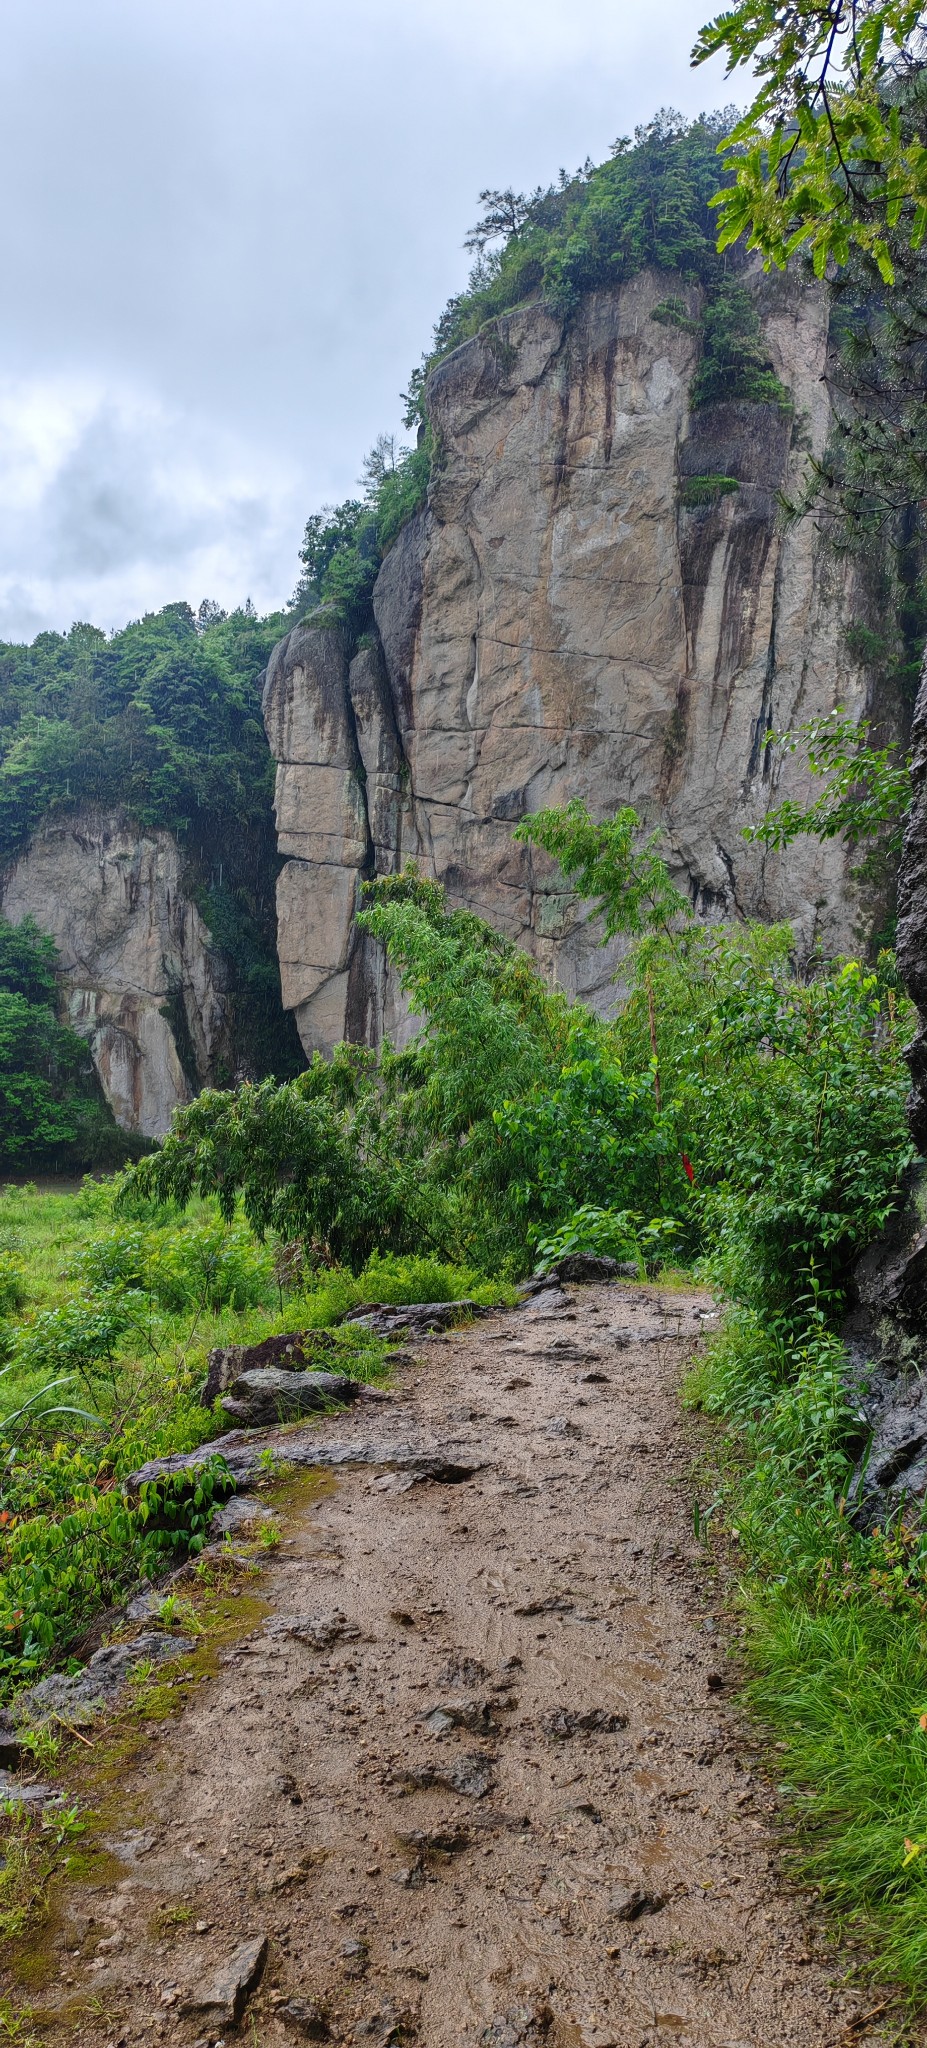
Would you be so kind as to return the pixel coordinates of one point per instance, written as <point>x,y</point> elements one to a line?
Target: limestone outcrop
<point>600,601</point>
<point>134,955</point>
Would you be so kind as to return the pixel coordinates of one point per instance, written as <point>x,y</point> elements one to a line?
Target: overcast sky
<point>228,229</point>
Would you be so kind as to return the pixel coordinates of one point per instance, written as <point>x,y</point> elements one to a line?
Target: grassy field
<point>108,1310</point>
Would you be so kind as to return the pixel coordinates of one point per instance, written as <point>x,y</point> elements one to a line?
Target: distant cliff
<point>139,977</point>
<point>599,601</point>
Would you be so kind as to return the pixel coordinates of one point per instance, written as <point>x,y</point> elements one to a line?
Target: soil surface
<point>474,1776</point>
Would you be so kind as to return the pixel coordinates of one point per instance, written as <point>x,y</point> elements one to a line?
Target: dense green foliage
<point>514,1109</point>
<point>648,205</point>
<point>508,1111</point>
<point>866,789</point>
<point>821,158</point>
<point>734,364</point>
<point>162,721</point>
<point>107,1313</point>
<point>162,718</point>
<point>51,1110</point>
<point>344,545</point>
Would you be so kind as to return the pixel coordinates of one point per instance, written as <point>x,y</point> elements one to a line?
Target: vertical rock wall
<point>572,616</point>
<point>131,946</point>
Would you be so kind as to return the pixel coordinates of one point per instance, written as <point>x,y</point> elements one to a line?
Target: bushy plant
<point>834,1625</point>
<point>734,365</point>
<point>612,1233</point>
<point>509,1109</point>
<point>77,1337</point>
<point>50,1103</point>
<point>70,1541</point>
<point>12,1284</point>
<point>789,1100</point>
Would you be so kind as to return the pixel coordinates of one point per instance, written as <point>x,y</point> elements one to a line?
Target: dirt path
<point>474,1778</point>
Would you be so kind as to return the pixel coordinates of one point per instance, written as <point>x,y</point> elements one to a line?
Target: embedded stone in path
<point>472,1776</point>
<point>270,1395</point>
<point>294,1352</point>
<point>225,1994</point>
<point>415,1319</point>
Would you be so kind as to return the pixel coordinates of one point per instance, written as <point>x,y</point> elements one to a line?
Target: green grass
<point>107,1316</point>
<point>835,1638</point>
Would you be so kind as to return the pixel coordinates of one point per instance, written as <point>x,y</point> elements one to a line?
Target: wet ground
<point>474,1777</point>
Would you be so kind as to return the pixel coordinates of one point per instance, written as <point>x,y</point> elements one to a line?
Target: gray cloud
<point>231,225</point>
<point>129,492</point>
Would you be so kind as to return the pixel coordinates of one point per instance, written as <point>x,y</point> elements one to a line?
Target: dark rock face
<point>886,1339</point>
<point>10,1742</point>
<point>911,940</point>
<point>415,1319</point>
<point>581,1269</point>
<point>259,1398</point>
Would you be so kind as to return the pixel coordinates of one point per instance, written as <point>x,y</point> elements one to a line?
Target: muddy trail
<point>471,1774</point>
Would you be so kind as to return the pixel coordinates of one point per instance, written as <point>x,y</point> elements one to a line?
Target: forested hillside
<point>162,721</point>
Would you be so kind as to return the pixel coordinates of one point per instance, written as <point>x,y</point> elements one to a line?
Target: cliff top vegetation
<point>648,205</point>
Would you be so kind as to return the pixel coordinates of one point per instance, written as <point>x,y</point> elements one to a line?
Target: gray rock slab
<point>224,1995</point>
<point>295,1351</point>
<point>269,1394</point>
<point>10,1740</point>
<point>16,1793</point>
<point>474,1715</point>
<point>317,1631</point>
<point>413,1319</point>
<point>547,1302</point>
<point>243,1451</point>
<point>893,1473</point>
<point>238,1514</point>
<point>85,1693</point>
<point>587,1269</point>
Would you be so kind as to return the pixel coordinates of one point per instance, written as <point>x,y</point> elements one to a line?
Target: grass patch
<point>706,490</point>
<point>835,1636</point>
<point>108,1311</point>
<point>44,1858</point>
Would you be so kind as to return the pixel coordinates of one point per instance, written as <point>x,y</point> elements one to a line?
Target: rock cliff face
<point>131,946</point>
<point>912,917</point>
<point>580,612</point>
